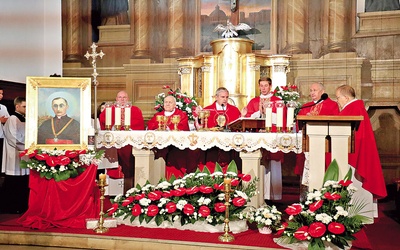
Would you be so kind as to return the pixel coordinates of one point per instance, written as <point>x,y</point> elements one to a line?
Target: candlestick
<point>117,116</point>
<point>279,115</point>
<point>108,116</point>
<point>102,184</point>
<point>226,237</point>
<point>127,121</point>
<point>290,117</point>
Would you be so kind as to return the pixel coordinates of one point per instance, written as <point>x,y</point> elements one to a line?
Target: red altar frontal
<point>63,204</point>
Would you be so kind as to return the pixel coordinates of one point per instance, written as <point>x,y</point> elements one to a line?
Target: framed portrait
<point>58,112</point>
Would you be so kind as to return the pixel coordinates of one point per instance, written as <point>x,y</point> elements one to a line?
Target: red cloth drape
<point>62,204</point>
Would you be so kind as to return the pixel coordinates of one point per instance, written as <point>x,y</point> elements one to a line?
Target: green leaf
<point>158,219</point>
<point>332,173</point>
<point>232,167</point>
<point>218,168</point>
<point>348,175</point>
<point>23,164</point>
<point>206,170</point>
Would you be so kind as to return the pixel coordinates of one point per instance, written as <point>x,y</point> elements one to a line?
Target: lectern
<point>248,124</point>
<point>322,134</point>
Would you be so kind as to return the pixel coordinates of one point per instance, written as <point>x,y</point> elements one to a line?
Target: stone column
<point>73,17</point>
<point>141,29</point>
<point>339,28</point>
<point>175,28</point>
<point>296,27</point>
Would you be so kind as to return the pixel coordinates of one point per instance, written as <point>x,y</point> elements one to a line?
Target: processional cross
<point>94,55</point>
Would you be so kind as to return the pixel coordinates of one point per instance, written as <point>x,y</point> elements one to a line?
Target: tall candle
<point>108,116</point>
<point>268,117</point>
<point>127,120</point>
<point>279,118</point>
<point>290,117</point>
<point>117,116</point>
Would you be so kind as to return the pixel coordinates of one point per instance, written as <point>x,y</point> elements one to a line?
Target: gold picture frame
<point>49,98</point>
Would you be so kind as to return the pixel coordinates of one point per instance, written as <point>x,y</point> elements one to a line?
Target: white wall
<point>30,39</point>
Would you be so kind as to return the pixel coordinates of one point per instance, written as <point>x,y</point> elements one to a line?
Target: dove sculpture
<point>230,30</point>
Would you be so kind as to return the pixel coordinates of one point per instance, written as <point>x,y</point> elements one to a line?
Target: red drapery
<point>62,204</point>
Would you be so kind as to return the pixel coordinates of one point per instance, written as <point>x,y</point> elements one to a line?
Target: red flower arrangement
<point>195,197</point>
<point>59,164</point>
<point>327,216</point>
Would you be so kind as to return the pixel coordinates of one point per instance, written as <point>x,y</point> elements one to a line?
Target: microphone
<point>324,96</point>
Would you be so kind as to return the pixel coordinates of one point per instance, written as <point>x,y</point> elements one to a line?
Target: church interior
<point>149,44</point>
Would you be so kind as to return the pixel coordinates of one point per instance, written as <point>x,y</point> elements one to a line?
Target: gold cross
<point>193,139</point>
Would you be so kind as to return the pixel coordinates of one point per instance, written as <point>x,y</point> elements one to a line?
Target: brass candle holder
<point>102,184</point>
<point>117,127</point>
<point>108,127</point>
<point>127,127</point>
<point>226,237</point>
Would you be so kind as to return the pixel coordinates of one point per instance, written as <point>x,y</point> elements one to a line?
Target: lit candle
<point>290,117</point>
<point>268,117</point>
<point>279,118</point>
<point>127,120</point>
<point>108,116</point>
<point>102,177</point>
<point>117,116</point>
<point>227,180</point>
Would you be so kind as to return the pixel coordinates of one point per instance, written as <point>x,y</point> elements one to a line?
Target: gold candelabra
<point>226,237</point>
<point>102,184</point>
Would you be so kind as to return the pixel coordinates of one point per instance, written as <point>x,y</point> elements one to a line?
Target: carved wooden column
<point>296,27</point>
<point>339,30</point>
<point>141,29</point>
<point>175,28</point>
<point>73,20</point>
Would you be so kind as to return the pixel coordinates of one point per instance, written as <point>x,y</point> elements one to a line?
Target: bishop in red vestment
<point>365,159</point>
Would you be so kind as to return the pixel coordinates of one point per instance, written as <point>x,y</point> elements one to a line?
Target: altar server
<point>15,187</point>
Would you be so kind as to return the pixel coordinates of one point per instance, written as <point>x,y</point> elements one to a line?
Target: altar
<point>248,144</point>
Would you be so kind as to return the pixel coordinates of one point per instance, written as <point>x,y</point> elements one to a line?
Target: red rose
<point>63,160</point>
<point>219,186</point>
<point>234,182</point>
<point>187,100</point>
<point>245,177</point>
<point>281,229</point>
<point>171,207</point>
<point>294,209</point>
<point>137,210</point>
<point>166,194</point>
<point>238,201</point>
<point>51,161</point>
<point>204,211</point>
<point>179,192</point>
<point>71,153</point>
<point>188,209</point>
<point>219,207</point>
<point>317,229</point>
<point>301,233</point>
<point>206,190</point>
<point>127,201</point>
<point>332,196</point>
<point>155,195</point>
<point>336,228</point>
<point>41,157</point>
<point>138,197</point>
<point>192,190</point>
<point>152,210</point>
<point>345,183</point>
<point>314,207</point>
<point>113,208</point>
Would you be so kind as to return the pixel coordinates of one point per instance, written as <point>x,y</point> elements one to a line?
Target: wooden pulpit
<point>321,134</point>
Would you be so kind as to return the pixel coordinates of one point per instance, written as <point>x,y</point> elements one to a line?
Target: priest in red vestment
<point>365,159</point>
<point>271,161</point>
<point>223,112</point>
<point>315,107</point>
<point>181,159</point>
<point>125,157</point>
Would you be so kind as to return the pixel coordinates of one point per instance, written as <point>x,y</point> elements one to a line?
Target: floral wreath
<point>60,164</point>
<point>183,102</point>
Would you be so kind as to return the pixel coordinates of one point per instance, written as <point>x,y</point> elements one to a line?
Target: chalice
<point>159,119</point>
<point>175,120</point>
<point>206,115</point>
<point>165,120</point>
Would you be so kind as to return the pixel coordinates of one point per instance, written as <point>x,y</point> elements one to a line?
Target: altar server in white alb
<point>15,189</point>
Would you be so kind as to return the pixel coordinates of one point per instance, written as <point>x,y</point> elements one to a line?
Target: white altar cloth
<point>239,141</point>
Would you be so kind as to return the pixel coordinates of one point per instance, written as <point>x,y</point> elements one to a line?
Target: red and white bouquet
<point>59,164</point>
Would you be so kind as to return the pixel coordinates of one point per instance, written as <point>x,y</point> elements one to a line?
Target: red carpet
<point>248,238</point>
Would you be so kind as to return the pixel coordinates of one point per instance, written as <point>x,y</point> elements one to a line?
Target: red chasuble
<point>231,113</point>
<point>366,158</point>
